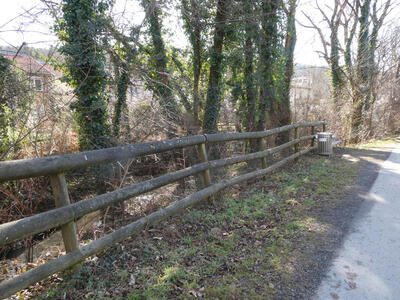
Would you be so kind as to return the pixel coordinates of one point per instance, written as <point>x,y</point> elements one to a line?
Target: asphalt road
<point>368,264</point>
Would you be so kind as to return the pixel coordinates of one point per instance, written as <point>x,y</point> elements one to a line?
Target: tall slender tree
<point>283,107</point>
<point>377,22</point>
<point>213,102</point>
<point>267,53</point>
<point>160,84</point>
<point>80,30</point>
<point>121,71</point>
<point>251,32</point>
<point>336,71</point>
<point>354,81</point>
<point>191,12</point>
<point>332,55</point>
<point>361,92</point>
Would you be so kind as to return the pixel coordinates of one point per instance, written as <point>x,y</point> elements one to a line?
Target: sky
<point>23,21</point>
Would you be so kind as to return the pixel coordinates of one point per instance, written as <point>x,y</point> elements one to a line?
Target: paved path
<point>368,265</point>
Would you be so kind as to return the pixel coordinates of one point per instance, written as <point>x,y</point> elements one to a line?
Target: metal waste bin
<point>325,143</point>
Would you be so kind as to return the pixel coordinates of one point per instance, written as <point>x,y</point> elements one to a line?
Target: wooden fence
<point>65,214</point>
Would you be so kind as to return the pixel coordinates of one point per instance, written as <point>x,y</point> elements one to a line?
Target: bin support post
<point>312,133</point>
<point>324,127</point>
<point>68,231</point>
<point>204,158</point>
<point>261,147</point>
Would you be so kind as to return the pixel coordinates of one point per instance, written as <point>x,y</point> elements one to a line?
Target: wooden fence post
<point>204,158</point>
<point>312,133</point>
<point>261,147</point>
<point>323,127</point>
<point>69,234</point>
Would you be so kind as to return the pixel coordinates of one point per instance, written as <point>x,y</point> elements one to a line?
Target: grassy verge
<point>256,242</point>
<point>379,143</point>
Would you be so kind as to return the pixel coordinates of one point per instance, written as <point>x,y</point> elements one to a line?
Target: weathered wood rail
<point>65,214</point>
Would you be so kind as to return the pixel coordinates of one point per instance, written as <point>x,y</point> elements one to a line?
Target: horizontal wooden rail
<point>26,168</point>
<point>11,286</point>
<point>19,229</point>
<point>232,136</point>
<point>50,165</point>
<point>65,215</point>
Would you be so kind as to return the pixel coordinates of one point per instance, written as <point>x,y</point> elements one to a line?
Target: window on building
<point>37,84</point>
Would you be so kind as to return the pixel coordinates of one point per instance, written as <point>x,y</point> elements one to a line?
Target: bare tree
<point>353,76</point>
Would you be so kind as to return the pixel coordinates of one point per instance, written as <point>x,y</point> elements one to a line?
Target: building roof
<point>30,65</point>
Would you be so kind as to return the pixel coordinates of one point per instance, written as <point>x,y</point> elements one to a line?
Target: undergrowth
<point>249,244</point>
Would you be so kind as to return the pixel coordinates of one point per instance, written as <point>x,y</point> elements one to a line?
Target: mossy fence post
<point>68,231</point>
<point>204,158</point>
<point>261,147</point>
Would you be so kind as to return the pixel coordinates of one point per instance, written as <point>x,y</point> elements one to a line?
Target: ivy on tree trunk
<point>160,85</point>
<point>361,93</point>
<point>267,51</point>
<point>213,102</point>
<point>249,49</point>
<point>80,30</point>
<point>122,78</point>
<point>284,115</point>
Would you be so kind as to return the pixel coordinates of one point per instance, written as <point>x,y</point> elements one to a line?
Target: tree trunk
<point>251,32</point>
<point>85,59</point>
<point>284,115</point>
<point>122,76</point>
<point>161,85</point>
<point>356,118</point>
<point>361,96</point>
<point>372,94</point>
<point>197,61</point>
<point>213,102</point>
<point>336,76</point>
<point>268,43</point>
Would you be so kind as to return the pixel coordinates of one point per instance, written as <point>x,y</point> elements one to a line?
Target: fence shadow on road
<point>357,203</point>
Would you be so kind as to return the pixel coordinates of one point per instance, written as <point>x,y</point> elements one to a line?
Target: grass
<point>248,246</point>
<point>378,143</point>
